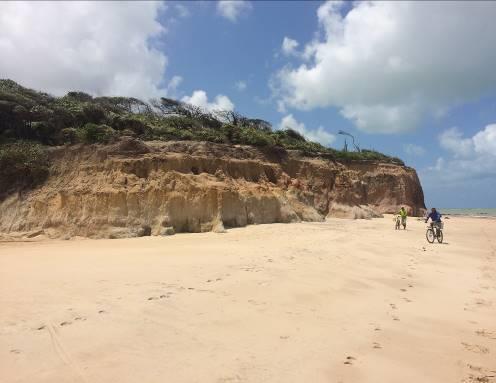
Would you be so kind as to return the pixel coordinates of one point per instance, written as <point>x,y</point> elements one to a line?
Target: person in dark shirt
<point>434,215</point>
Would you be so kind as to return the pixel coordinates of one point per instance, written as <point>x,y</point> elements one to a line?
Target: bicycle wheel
<point>429,234</point>
<point>440,236</point>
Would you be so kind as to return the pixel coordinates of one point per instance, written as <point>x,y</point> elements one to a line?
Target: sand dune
<point>337,301</point>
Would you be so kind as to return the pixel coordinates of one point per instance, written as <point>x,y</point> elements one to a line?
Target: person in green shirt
<point>403,214</point>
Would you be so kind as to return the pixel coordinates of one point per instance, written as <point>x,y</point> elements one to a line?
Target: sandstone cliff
<point>133,189</point>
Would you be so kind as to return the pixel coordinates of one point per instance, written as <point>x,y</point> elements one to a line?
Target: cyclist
<point>435,216</point>
<point>403,214</point>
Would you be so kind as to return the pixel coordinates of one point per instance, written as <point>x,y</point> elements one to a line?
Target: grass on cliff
<point>22,165</point>
<point>77,117</point>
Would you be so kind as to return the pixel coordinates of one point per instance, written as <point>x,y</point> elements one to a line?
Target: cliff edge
<point>135,188</point>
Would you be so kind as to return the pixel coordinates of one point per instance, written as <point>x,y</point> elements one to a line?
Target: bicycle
<point>434,231</point>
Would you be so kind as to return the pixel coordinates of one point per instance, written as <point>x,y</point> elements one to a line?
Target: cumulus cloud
<point>453,141</point>
<point>414,150</point>
<point>386,65</point>
<point>485,141</point>
<point>171,89</point>
<point>200,98</point>
<point>182,10</point>
<point>241,85</point>
<point>289,46</point>
<point>470,158</point>
<point>100,48</point>
<point>233,9</point>
<point>318,135</point>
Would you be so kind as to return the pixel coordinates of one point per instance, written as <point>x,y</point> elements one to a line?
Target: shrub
<point>79,96</point>
<point>44,131</point>
<point>294,134</point>
<point>255,137</point>
<point>69,136</point>
<point>93,113</point>
<point>232,132</point>
<point>29,115</point>
<point>135,125</point>
<point>22,164</point>
<point>92,133</point>
<point>169,133</point>
<point>211,135</point>
<point>128,132</point>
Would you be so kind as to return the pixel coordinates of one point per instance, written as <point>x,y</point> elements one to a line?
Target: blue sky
<point>414,80</point>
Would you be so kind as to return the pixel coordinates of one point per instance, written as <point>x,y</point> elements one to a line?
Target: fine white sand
<point>340,301</point>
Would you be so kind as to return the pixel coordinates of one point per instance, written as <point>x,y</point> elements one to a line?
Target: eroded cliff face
<point>155,188</point>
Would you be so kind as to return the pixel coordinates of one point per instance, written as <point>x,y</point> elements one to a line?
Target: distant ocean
<point>477,212</point>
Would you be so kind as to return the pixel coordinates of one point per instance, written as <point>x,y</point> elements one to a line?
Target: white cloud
<point>173,84</point>
<point>485,141</point>
<point>232,9</point>
<point>318,135</point>
<point>97,47</point>
<point>386,65</point>
<point>200,98</point>
<point>182,10</point>
<point>453,141</point>
<point>414,150</point>
<point>241,85</point>
<point>281,107</point>
<point>472,158</point>
<point>289,46</point>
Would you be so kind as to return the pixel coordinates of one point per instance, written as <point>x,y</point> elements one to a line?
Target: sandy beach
<point>340,301</point>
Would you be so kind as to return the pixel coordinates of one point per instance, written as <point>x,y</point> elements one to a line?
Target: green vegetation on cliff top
<point>28,115</point>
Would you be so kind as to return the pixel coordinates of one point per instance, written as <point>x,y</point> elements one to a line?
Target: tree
<point>259,124</point>
<point>231,117</point>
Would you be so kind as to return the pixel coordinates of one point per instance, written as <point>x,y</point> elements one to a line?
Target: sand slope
<point>338,301</point>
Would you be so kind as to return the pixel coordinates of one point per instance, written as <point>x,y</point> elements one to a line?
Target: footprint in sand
<point>485,287</point>
<point>80,318</point>
<point>475,348</point>
<point>349,360</point>
<point>230,379</point>
<point>42,327</point>
<point>479,374</point>
<point>15,351</point>
<point>486,334</point>
<point>407,300</point>
<point>65,323</point>
<point>393,306</point>
<point>254,302</point>
<point>404,290</point>
<point>376,345</point>
<point>483,303</point>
